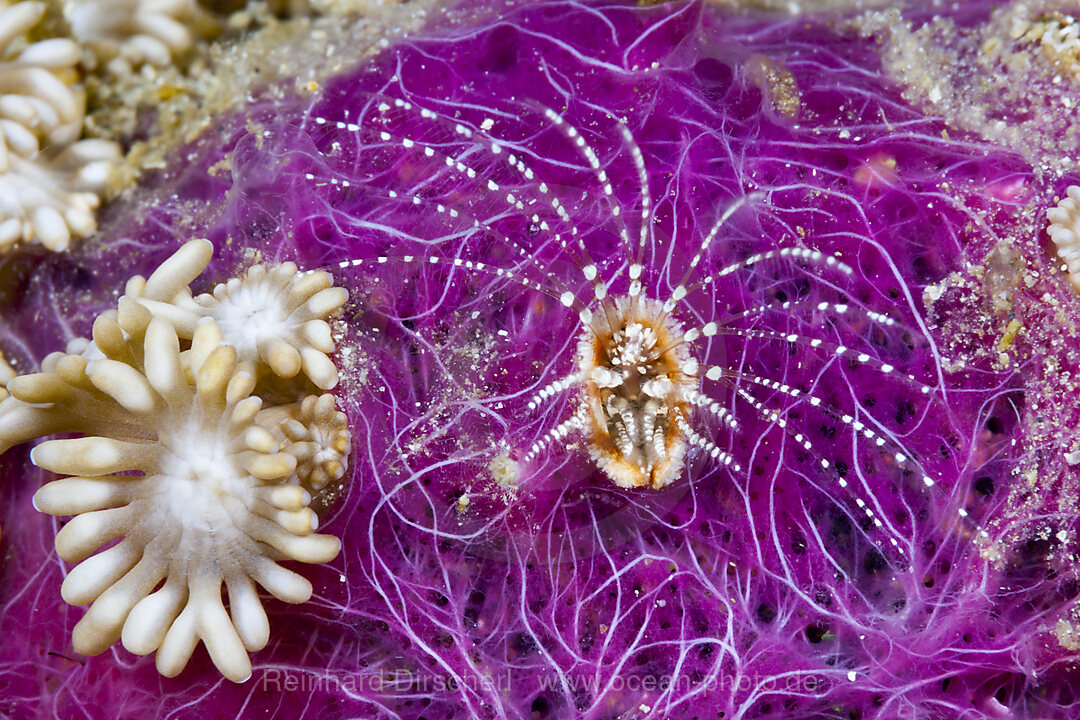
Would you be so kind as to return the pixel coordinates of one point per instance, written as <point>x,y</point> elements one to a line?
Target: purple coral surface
<point>833,582</point>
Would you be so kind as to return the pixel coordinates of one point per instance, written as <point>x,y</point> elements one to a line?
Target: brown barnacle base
<point>637,373</point>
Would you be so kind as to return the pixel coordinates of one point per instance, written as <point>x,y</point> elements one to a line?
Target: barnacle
<point>122,34</point>
<point>1064,230</point>
<point>637,383</point>
<point>273,316</point>
<point>49,184</point>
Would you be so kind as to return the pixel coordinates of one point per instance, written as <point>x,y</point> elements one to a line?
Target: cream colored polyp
<point>177,456</point>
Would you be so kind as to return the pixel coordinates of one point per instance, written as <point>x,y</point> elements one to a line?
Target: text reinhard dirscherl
<point>403,681</point>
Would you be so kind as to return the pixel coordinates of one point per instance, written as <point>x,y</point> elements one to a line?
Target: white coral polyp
<point>6,373</point>
<point>124,34</point>
<point>1064,230</point>
<point>215,506</point>
<point>37,100</point>
<point>49,184</point>
<point>52,197</point>
<point>274,316</point>
<point>317,434</point>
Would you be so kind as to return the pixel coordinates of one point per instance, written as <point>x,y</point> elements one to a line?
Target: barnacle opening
<point>637,370</point>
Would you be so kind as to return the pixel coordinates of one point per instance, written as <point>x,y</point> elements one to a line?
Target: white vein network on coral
<point>49,183</point>
<point>1064,230</point>
<point>178,457</point>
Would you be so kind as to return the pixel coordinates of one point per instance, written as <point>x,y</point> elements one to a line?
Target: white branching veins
<point>274,316</point>
<point>207,489</point>
<point>50,181</point>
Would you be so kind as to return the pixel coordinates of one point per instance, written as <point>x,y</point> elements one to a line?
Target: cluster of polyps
<point>50,181</point>
<point>125,34</point>
<point>179,458</point>
<point>643,391</point>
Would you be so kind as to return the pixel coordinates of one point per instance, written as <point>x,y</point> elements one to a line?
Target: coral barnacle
<point>275,316</point>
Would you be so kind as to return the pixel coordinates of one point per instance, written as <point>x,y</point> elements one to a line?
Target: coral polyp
<point>123,35</point>
<point>317,434</point>
<point>213,506</point>
<point>1064,230</point>
<point>50,181</point>
<point>37,98</point>
<point>180,460</point>
<point>274,317</point>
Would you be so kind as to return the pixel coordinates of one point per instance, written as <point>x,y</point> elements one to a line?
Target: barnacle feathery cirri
<point>49,180</point>
<point>180,460</point>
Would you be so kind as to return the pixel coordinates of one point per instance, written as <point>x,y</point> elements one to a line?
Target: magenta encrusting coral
<point>476,580</point>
